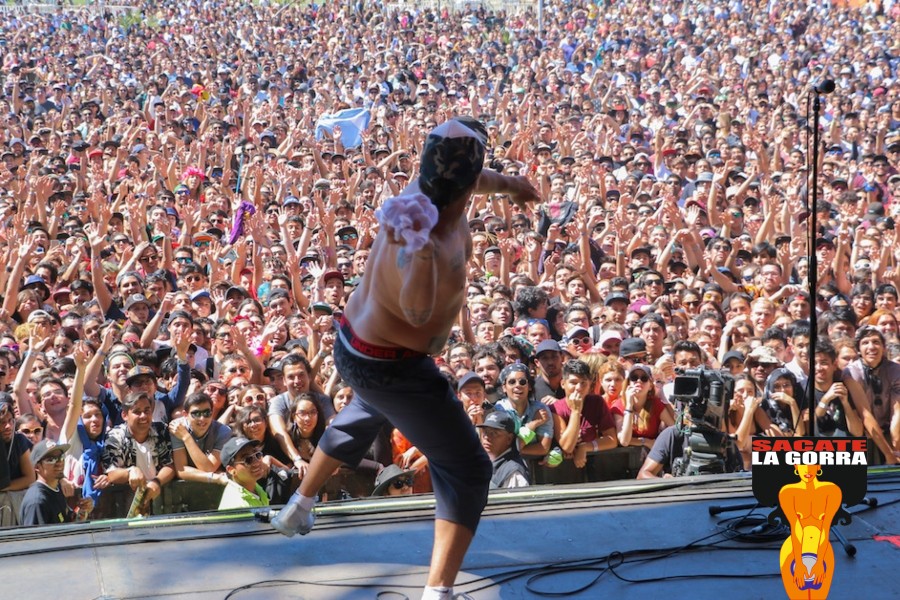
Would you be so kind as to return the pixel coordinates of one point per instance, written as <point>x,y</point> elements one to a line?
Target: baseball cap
<point>334,274</point>
<point>44,448</point>
<point>614,297</point>
<point>640,367</point>
<point>631,346</point>
<point>763,355</point>
<point>139,371</point>
<point>499,419</point>
<point>469,378</point>
<point>39,314</point>
<point>610,334</point>
<point>235,445</point>
<point>733,354</point>
<point>323,307</point>
<point>136,299</point>
<point>547,346</point>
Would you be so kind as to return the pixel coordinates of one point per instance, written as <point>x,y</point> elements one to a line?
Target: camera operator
<point>672,443</point>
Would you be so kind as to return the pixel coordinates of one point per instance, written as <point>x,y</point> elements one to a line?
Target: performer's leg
<point>345,441</point>
<point>451,541</point>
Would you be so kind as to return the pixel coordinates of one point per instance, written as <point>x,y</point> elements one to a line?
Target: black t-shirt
<point>20,445</point>
<point>44,506</point>
<point>4,467</point>
<point>669,445</point>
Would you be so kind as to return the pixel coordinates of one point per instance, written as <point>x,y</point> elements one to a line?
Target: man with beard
<point>487,365</point>
<point>548,356</point>
<point>875,381</point>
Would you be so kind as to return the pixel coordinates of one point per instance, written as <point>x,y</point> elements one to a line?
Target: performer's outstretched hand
<point>521,191</point>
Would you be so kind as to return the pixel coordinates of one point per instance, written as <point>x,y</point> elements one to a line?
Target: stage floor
<point>543,540</point>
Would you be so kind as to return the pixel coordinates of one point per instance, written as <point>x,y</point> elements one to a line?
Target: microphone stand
<point>813,159</point>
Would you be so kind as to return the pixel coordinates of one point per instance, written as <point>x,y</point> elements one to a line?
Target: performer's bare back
<point>374,309</point>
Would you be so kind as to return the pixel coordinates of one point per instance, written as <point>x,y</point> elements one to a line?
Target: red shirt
<point>652,430</point>
<point>595,417</point>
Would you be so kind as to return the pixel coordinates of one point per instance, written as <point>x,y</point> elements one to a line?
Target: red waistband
<point>372,350</point>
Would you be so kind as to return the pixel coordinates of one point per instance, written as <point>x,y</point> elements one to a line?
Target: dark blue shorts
<point>415,398</point>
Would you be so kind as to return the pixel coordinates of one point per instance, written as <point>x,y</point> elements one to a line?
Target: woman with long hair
<point>307,426</point>
<point>639,413</point>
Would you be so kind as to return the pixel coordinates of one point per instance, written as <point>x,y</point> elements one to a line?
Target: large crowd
<point>184,211</point>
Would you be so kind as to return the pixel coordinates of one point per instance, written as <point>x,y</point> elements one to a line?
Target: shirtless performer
<point>807,558</point>
<point>401,312</point>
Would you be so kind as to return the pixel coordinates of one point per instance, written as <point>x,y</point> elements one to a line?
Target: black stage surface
<point>530,543</point>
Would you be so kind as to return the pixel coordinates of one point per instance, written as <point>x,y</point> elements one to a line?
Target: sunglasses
<point>520,381</point>
<point>184,260</point>
<point>251,459</point>
<point>582,340</point>
<point>201,414</point>
<point>399,484</point>
<point>653,281</point>
<point>35,431</point>
<point>257,397</point>
<point>183,192</point>
<point>256,421</point>
<point>53,460</point>
<point>151,258</point>
<point>349,236</point>
<point>193,278</point>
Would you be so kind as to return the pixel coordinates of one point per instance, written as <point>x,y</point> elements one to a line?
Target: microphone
<point>826,86</point>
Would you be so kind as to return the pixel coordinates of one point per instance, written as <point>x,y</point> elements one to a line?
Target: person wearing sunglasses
<point>534,425</point>
<point>641,414</point>
<point>244,465</point>
<point>30,426</point>
<point>44,502</point>
<point>394,481</point>
<point>197,441</point>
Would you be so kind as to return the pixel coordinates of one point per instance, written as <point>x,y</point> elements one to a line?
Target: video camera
<point>706,396</point>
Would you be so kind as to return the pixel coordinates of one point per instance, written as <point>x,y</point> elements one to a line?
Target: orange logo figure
<point>807,558</point>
